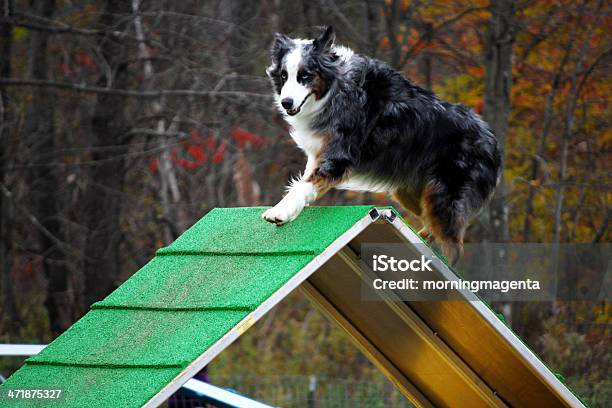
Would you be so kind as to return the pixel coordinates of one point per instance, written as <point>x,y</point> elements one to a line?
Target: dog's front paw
<point>281,213</point>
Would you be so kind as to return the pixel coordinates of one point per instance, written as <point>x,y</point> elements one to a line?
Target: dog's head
<point>302,70</point>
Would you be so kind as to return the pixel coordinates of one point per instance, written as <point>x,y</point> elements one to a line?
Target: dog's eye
<point>284,75</point>
<point>305,77</point>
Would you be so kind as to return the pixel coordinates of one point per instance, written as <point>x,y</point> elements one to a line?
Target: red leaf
<point>210,143</point>
<point>194,151</point>
<point>197,152</point>
<point>220,153</point>
<point>244,137</point>
<point>84,59</point>
<point>153,165</point>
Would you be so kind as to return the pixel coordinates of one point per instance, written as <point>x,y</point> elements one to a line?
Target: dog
<point>365,127</point>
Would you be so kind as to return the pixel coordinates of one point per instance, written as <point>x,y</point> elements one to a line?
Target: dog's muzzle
<point>295,111</point>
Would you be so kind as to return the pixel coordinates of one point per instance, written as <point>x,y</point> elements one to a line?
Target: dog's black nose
<point>287,103</point>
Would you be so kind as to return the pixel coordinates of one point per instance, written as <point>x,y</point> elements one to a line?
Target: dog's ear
<point>325,40</point>
<point>280,46</point>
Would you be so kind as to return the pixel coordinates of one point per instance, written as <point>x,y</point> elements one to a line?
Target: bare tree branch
<point>67,248</point>
<point>55,28</point>
<point>127,92</point>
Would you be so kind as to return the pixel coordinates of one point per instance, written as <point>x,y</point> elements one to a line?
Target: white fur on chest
<point>304,136</point>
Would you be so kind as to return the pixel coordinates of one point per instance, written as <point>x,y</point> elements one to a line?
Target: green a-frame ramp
<point>172,317</point>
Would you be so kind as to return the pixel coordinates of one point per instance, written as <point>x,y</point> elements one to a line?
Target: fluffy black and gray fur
<point>364,126</point>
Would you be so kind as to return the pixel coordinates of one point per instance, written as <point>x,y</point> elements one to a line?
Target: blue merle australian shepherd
<point>364,127</point>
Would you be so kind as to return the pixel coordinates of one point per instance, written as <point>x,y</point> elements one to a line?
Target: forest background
<point>122,122</point>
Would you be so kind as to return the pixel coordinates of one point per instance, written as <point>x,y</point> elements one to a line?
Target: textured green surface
<point>201,281</point>
<point>134,342</point>
<point>88,387</point>
<point>139,337</point>
<point>240,230</point>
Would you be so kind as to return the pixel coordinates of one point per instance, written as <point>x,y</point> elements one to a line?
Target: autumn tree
<point>123,122</point>
<point>498,82</point>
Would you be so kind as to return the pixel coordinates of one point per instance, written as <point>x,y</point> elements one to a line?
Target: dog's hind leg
<point>445,216</point>
<point>409,202</point>
<point>426,234</point>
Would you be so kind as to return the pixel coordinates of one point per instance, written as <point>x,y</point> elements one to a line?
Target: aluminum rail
<point>219,395</point>
<point>21,349</point>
